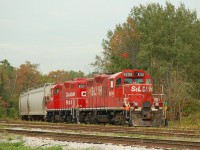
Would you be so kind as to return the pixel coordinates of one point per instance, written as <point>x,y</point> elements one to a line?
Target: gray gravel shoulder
<point>47,142</point>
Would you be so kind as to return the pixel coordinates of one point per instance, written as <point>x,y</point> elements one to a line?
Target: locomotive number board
<point>136,74</point>
<point>139,74</point>
<point>128,74</point>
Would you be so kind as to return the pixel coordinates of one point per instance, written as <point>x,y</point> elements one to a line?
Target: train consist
<point>122,98</point>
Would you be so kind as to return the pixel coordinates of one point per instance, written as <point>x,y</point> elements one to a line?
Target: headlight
<point>155,100</point>
<point>156,104</point>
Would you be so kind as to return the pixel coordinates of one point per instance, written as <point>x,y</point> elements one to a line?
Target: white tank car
<point>32,104</point>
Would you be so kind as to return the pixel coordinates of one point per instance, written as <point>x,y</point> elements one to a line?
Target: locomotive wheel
<point>130,123</point>
<point>90,119</point>
<point>53,118</point>
<point>69,118</point>
<point>119,119</point>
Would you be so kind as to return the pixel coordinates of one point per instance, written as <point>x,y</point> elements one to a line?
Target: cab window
<point>128,80</point>
<point>81,86</point>
<point>56,91</point>
<point>111,84</point>
<point>148,81</point>
<point>138,80</point>
<point>118,82</point>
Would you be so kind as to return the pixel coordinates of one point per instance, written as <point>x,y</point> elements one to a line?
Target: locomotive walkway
<point>156,137</point>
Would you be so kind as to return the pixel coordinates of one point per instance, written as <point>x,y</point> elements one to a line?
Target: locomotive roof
<point>123,71</point>
<point>114,75</point>
<point>57,85</point>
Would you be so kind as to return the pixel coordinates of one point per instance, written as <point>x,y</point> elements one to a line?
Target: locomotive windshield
<point>133,80</point>
<point>138,80</point>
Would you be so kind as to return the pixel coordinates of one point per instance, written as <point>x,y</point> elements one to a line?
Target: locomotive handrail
<point>46,84</point>
<point>137,94</point>
<point>158,94</point>
<point>161,86</point>
<point>161,96</point>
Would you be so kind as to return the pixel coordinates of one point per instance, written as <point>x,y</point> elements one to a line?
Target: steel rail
<point>127,131</point>
<point>131,141</point>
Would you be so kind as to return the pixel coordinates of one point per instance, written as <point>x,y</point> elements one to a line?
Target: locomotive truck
<point>121,98</point>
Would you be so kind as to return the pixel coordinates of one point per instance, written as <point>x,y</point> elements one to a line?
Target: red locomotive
<point>120,98</point>
<point>66,99</point>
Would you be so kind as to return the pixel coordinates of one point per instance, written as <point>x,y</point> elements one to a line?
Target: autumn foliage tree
<point>170,51</point>
<point>27,76</point>
<point>62,76</point>
<point>14,81</point>
<point>120,49</point>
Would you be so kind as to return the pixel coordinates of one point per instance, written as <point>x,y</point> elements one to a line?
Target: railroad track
<point>112,129</point>
<point>129,141</point>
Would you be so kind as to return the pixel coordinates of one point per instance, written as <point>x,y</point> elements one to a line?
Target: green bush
<point>13,113</point>
<point>20,146</point>
<point>195,118</point>
<point>2,112</point>
<point>13,146</point>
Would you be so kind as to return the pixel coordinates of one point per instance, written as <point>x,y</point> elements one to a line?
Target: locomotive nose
<point>146,104</point>
<point>146,112</point>
<point>146,115</point>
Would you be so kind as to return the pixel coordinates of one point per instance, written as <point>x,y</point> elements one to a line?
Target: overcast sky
<point>62,34</point>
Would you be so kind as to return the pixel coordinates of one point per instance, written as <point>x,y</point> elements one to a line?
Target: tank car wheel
<point>48,118</point>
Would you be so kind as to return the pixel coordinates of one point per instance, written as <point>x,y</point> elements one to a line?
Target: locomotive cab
<point>56,93</point>
<point>135,89</point>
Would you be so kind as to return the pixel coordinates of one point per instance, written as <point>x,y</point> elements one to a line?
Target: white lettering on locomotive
<point>140,74</point>
<point>141,89</point>
<point>69,102</point>
<point>111,93</point>
<point>150,89</point>
<point>93,93</point>
<point>69,94</point>
<point>97,90</point>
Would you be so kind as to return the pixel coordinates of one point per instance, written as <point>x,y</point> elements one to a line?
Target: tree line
<point>164,41</point>
<point>14,81</point>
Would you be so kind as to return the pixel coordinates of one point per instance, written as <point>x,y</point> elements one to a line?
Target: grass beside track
<point>20,146</point>
<point>15,142</point>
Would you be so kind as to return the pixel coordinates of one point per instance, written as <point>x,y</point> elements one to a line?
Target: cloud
<point>7,46</point>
